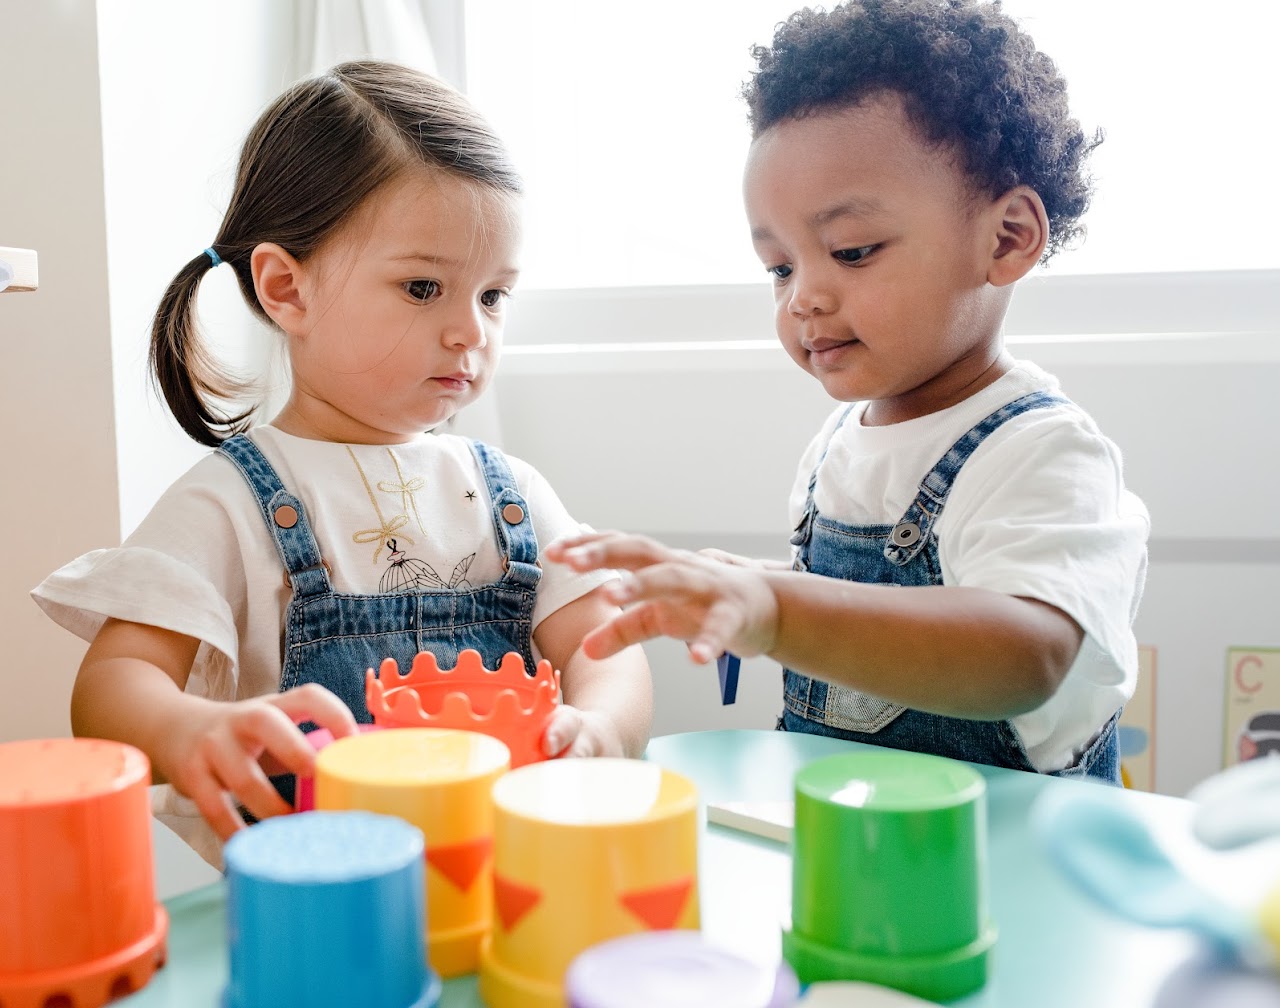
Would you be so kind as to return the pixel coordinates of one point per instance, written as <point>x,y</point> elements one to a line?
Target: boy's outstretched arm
<point>608,698</point>
<point>963,652</point>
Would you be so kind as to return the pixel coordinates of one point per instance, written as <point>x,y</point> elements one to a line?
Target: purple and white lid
<point>675,969</point>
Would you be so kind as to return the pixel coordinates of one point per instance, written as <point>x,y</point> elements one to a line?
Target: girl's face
<point>879,255</point>
<point>403,313</point>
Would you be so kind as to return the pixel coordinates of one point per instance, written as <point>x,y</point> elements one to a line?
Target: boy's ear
<point>1020,234</point>
<point>280,284</point>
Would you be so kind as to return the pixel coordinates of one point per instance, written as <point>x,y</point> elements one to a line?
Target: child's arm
<point>608,700</point>
<point>130,689</point>
<point>964,652</point>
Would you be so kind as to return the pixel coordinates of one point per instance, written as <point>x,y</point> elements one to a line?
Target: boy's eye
<point>493,298</point>
<point>854,255</point>
<point>780,272</point>
<point>422,290</point>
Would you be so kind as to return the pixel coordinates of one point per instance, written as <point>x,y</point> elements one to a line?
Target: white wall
<point>697,446</point>
<point>116,161</point>
<point>173,117</point>
<point>59,481</point>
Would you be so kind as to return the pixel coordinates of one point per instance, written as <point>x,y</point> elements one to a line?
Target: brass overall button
<point>906,534</point>
<point>513,513</point>
<point>286,516</point>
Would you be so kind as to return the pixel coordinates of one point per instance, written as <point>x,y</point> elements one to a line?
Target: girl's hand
<point>574,732</point>
<point>712,605</point>
<point>221,756</point>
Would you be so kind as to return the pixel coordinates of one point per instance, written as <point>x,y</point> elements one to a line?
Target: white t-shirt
<point>1039,510</point>
<point>204,564</point>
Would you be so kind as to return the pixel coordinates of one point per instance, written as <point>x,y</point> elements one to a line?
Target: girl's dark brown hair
<point>312,158</point>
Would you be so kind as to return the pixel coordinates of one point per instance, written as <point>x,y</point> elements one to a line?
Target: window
<point>628,127</point>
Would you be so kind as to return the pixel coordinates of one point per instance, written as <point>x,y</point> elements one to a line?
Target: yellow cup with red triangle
<point>440,781</point>
<point>584,850</point>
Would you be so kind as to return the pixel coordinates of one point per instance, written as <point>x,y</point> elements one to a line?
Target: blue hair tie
<point>213,257</point>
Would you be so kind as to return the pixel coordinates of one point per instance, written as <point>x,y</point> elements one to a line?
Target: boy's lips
<point>825,353</point>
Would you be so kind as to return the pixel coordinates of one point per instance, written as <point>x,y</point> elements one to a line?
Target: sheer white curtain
<point>330,31</point>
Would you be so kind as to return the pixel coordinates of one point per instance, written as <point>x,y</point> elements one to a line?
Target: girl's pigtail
<point>190,378</point>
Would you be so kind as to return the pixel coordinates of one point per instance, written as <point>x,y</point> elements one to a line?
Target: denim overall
<point>331,638</point>
<point>907,554</point>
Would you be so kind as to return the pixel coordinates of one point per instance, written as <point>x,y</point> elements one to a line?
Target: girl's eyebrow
<point>440,260</point>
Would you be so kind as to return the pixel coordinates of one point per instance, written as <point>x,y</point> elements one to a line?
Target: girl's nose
<point>466,330</point>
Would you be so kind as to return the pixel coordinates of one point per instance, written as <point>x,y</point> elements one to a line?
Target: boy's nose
<point>810,297</point>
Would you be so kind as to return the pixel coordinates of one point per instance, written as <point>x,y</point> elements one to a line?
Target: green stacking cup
<point>889,873</point>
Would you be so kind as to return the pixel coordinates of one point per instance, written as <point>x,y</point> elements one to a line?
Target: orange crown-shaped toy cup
<point>79,921</point>
<point>505,703</point>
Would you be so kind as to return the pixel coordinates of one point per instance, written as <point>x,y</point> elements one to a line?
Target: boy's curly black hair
<point>970,78</point>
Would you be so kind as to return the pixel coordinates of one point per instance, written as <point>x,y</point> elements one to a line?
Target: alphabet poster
<point>1252,704</point>
<point>1137,727</point>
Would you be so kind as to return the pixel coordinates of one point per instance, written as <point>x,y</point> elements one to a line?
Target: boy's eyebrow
<point>855,206</point>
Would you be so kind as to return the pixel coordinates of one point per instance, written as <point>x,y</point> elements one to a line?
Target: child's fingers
<point>240,774</point>
<point>720,626</point>
<point>271,727</point>
<point>640,623</point>
<point>312,702</point>
<point>215,806</point>
<point>563,730</point>
<point>617,551</point>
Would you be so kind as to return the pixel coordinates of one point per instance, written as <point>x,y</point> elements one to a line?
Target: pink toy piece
<point>505,702</point>
<point>304,795</point>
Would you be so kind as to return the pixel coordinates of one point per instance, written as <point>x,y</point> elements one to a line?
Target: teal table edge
<point>1054,948</point>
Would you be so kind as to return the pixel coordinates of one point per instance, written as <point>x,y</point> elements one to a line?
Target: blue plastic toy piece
<point>727,666</point>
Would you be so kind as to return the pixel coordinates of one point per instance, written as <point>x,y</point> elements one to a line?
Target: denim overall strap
<point>517,542</point>
<point>913,529</point>
<point>298,549</point>
<point>867,554</point>
<point>804,528</point>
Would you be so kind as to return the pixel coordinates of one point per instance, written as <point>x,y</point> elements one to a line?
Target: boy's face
<point>879,253</point>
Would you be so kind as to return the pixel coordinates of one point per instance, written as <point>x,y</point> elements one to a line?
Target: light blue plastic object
<point>1238,806</point>
<point>325,910</point>
<point>1110,853</point>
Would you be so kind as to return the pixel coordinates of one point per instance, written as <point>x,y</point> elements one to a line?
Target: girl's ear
<point>279,282</point>
<point>1019,236</point>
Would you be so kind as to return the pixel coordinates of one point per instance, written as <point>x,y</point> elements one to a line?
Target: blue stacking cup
<point>325,910</point>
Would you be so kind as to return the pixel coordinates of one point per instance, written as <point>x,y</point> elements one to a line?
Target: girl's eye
<point>422,291</point>
<point>780,272</point>
<point>493,298</point>
<point>854,255</point>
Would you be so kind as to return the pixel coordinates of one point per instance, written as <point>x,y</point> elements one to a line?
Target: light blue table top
<point>1055,948</point>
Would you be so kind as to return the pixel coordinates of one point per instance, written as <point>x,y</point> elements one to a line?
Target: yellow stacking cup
<point>584,850</point>
<point>440,781</point>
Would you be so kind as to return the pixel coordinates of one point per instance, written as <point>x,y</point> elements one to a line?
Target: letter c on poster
<point>1247,687</point>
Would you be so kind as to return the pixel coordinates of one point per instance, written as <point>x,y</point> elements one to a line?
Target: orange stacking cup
<point>79,921</point>
<point>584,850</point>
<point>440,781</point>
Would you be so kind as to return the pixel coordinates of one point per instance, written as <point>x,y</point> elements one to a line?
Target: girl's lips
<point>455,383</point>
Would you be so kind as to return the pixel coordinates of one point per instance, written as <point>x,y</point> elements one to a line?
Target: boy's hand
<point>712,605</point>
<point>217,757</point>
<point>574,732</point>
